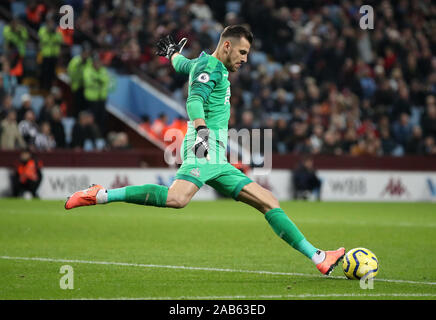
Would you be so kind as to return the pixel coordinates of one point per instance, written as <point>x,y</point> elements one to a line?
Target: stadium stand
<point>320,82</point>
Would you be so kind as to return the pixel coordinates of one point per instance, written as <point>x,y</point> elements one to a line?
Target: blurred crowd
<point>159,127</point>
<point>324,85</point>
<point>35,109</point>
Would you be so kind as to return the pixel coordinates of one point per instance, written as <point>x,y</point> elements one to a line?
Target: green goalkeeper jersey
<point>209,99</point>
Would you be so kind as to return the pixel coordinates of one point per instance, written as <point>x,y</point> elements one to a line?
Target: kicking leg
<point>177,196</point>
<point>264,201</point>
<point>180,193</point>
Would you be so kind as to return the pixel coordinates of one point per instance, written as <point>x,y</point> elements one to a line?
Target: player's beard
<point>230,65</point>
<point>234,67</point>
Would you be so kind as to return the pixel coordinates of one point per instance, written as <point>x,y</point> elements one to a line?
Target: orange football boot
<point>331,260</point>
<point>85,197</point>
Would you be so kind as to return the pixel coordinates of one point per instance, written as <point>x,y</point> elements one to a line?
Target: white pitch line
<point>127,264</point>
<point>298,296</point>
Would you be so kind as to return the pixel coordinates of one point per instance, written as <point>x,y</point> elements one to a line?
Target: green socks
<point>289,232</point>
<point>147,194</point>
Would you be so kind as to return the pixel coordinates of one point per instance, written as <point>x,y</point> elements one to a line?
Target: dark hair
<point>237,31</point>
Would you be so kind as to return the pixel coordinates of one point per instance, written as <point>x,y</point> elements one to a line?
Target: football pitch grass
<point>210,250</point>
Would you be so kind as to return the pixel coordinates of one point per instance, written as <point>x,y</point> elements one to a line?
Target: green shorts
<point>223,177</point>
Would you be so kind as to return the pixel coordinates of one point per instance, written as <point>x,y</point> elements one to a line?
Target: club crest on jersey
<point>203,77</point>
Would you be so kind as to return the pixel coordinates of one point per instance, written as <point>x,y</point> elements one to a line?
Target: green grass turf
<point>222,234</point>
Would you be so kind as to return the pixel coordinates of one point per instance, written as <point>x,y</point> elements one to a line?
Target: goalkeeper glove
<point>201,146</point>
<point>166,46</point>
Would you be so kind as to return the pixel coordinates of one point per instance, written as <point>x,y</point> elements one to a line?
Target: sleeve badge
<point>203,77</point>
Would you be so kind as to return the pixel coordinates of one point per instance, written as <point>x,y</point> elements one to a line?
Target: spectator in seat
<point>330,144</point>
<point>366,125</point>
<point>316,139</point>
<point>402,129</point>
<point>57,128</point>
<point>282,131</point>
<point>428,120</point>
<point>402,102</point>
<point>298,136</point>
<point>429,146</point>
<point>84,129</point>
<point>179,123</point>
<point>15,66</point>
<point>247,119</point>
<point>67,35</point>
<point>373,144</point>
<point>281,104</point>
<point>350,139</point>
<point>5,107</point>
<point>360,148</point>
<point>159,126</point>
<point>305,180</point>
<point>59,99</point>
<point>45,112</point>
<point>415,143</point>
<point>44,140</point>
<point>28,128</point>
<point>27,175</point>
<point>201,10</point>
<point>26,104</point>
<point>9,80</point>
<point>181,127</point>
<point>118,140</point>
<point>10,136</point>
<point>146,126</point>
<point>3,91</point>
<point>34,13</point>
<point>388,144</point>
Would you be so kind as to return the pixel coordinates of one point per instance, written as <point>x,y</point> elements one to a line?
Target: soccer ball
<point>359,262</point>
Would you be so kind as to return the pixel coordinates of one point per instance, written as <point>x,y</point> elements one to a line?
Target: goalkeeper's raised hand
<point>166,46</point>
<point>201,145</point>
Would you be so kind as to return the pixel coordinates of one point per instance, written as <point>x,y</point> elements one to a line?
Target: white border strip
<point>296,296</point>
<point>126,264</point>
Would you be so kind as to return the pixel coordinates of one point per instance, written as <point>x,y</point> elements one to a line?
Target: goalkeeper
<point>204,147</point>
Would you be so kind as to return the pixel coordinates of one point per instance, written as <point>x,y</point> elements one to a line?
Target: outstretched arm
<point>168,48</point>
<point>202,85</point>
<point>182,64</point>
